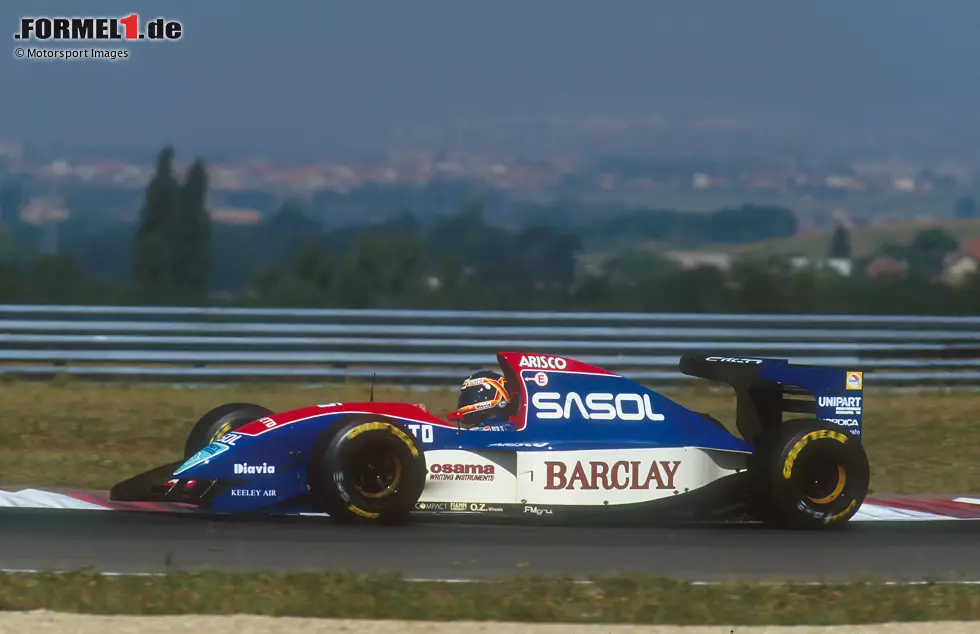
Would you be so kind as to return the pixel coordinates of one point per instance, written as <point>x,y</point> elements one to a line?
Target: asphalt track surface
<point>136,542</point>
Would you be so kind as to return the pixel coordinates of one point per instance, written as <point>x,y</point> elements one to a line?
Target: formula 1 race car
<point>583,442</point>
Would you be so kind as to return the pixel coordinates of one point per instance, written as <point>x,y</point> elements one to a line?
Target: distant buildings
<point>884,266</point>
<point>694,259</point>
<point>44,210</point>
<point>962,263</point>
<point>843,266</point>
<point>783,177</point>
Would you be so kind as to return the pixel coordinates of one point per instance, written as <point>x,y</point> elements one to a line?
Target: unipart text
<point>849,402</point>
<point>622,475</point>
<point>598,406</point>
<point>461,472</point>
<point>247,469</point>
<point>543,362</point>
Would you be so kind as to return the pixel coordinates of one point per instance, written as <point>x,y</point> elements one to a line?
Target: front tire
<point>367,468</point>
<point>809,474</point>
<point>219,421</point>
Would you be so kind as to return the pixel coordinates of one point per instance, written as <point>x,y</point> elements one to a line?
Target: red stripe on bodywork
<point>402,411</point>
<point>513,360</point>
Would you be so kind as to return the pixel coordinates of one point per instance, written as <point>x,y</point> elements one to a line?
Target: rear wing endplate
<point>765,389</point>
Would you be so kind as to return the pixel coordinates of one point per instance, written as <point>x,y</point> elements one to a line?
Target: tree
<point>59,279</point>
<point>840,243</point>
<point>172,249</point>
<point>751,222</point>
<point>757,287</point>
<point>637,265</point>
<point>926,252</point>
<point>11,199</point>
<point>306,281</point>
<point>702,289</point>
<point>152,256</point>
<point>547,256</point>
<point>468,237</point>
<point>966,208</point>
<point>282,231</point>
<point>191,234</point>
<point>382,271</point>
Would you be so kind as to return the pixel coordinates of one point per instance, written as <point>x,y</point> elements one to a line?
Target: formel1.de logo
<point>98,29</point>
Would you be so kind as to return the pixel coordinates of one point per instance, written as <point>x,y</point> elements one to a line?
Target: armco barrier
<point>440,346</point>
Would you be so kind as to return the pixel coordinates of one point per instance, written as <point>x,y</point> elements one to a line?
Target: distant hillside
<point>864,240</point>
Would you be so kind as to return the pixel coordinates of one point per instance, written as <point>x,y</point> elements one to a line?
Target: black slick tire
<point>220,421</point>
<point>808,474</point>
<point>368,469</point>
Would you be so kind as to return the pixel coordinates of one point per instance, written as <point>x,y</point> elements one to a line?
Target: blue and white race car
<point>574,441</point>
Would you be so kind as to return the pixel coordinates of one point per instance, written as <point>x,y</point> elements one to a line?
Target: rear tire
<point>809,474</point>
<point>219,421</point>
<point>367,469</point>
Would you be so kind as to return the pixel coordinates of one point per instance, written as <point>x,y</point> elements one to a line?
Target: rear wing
<point>765,389</point>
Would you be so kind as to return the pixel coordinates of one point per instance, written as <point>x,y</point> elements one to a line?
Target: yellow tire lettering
<point>802,442</point>
<point>224,429</point>
<point>377,426</point>
<point>362,512</point>
<point>842,513</point>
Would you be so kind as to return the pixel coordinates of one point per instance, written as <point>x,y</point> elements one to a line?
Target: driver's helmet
<point>482,396</point>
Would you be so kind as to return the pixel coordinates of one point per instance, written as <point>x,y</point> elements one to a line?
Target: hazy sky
<point>308,73</point>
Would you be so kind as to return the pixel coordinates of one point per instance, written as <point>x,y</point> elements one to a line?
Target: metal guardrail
<point>443,346</point>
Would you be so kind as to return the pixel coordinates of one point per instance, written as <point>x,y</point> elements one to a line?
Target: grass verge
<point>612,599</point>
<point>72,434</point>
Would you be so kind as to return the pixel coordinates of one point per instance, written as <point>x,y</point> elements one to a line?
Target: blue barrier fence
<point>442,346</point>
